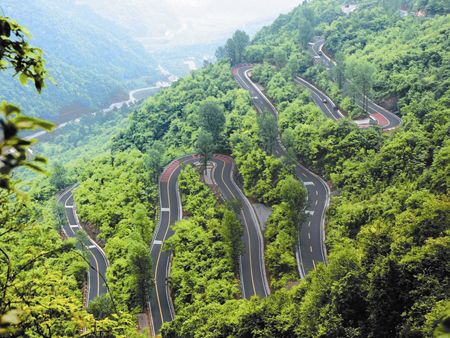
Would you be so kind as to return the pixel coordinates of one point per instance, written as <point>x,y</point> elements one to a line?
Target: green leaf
<point>23,79</point>
<point>9,109</point>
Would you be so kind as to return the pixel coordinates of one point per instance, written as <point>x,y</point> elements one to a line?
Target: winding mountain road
<point>254,281</point>
<point>386,119</point>
<point>98,259</point>
<point>311,250</point>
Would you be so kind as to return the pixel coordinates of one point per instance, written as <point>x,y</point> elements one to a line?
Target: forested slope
<point>388,230</point>
<point>90,58</point>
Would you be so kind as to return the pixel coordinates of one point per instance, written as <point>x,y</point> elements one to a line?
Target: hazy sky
<point>185,21</point>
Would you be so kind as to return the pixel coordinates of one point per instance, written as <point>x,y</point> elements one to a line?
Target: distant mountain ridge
<point>90,57</point>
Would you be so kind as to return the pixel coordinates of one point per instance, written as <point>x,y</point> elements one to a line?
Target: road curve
<point>386,119</point>
<point>311,250</point>
<point>252,263</point>
<point>98,260</point>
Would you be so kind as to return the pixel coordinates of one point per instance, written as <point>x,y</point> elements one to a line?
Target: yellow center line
<point>314,264</point>
<point>160,250</point>
<point>309,235</point>
<point>317,193</point>
<point>304,174</point>
<point>246,227</point>
<point>310,247</point>
<point>316,201</point>
<point>243,82</point>
<point>309,224</point>
<point>96,262</point>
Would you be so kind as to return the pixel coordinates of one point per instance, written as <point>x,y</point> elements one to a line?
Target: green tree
<point>268,129</point>
<point>241,41</point>
<point>231,51</point>
<point>232,232</point>
<point>220,53</point>
<point>59,177</point>
<point>212,119</point>
<point>205,146</point>
<point>289,142</point>
<point>141,267</point>
<point>362,76</point>
<point>280,58</point>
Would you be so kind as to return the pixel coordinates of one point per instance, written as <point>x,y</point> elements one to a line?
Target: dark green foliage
<point>211,119</point>
<point>268,129</point>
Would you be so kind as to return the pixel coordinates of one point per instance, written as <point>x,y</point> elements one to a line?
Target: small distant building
<point>191,57</point>
<point>347,9</point>
<point>173,78</point>
<point>163,84</point>
<point>403,13</point>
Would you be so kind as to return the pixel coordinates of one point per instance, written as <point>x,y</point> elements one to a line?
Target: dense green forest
<point>388,231</point>
<point>90,58</point>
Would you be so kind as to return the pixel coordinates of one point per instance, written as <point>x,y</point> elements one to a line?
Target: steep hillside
<point>90,58</point>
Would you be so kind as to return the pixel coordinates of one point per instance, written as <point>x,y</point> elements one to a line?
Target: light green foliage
<point>171,115</point>
<point>197,199</point>
<point>232,232</point>
<point>261,174</point>
<point>204,252</point>
<point>116,196</point>
<point>283,229</point>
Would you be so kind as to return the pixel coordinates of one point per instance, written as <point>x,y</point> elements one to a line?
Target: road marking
<point>248,232</point>
<point>262,103</point>
<point>157,242</point>
<point>310,248</point>
<point>317,193</point>
<point>309,212</point>
<point>160,250</point>
<point>316,201</point>
<point>74,226</point>
<point>69,206</point>
<point>91,246</point>
<point>93,256</point>
<point>309,235</point>
<point>308,183</point>
<point>304,174</point>
<point>317,57</point>
<point>309,224</point>
<point>314,263</point>
<point>277,151</point>
<point>165,209</point>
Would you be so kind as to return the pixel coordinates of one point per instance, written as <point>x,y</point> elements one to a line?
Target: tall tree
<point>220,53</point>
<point>268,129</point>
<point>232,232</point>
<point>362,76</point>
<point>205,146</point>
<point>211,118</point>
<point>230,50</point>
<point>241,41</point>
<point>141,266</point>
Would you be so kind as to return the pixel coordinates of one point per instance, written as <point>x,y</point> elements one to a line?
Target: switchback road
<point>252,263</point>
<point>311,250</point>
<point>385,118</point>
<point>98,260</point>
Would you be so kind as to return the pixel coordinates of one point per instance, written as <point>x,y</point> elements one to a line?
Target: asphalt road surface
<point>252,265</point>
<point>311,249</point>
<point>98,261</point>
<point>385,118</point>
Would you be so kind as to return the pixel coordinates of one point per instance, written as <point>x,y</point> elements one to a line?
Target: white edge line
<point>327,189</point>
<point>240,257</point>
<point>258,231</point>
